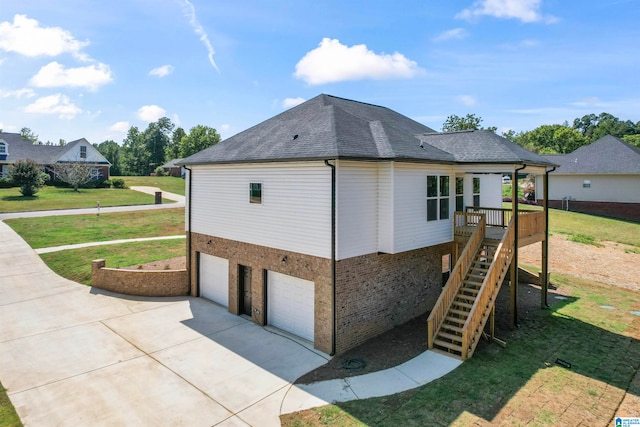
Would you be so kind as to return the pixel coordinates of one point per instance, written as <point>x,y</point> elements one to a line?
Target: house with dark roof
<point>601,178</point>
<point>13,148</point>
<point>337,220</point>
<point>173,168</point>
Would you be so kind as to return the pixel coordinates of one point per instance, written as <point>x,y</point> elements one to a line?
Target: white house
<point>332,220</point>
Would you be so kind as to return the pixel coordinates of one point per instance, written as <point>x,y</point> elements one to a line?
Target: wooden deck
<point>531,225</point>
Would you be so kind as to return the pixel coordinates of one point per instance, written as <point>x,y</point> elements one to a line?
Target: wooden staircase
<point>450,335</point>
<point>467,300</point>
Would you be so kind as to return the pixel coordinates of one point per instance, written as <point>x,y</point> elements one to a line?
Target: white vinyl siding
<point>73,154</point>
<point>295,213</point>
<point>604,188</point>
<point>385,207</point>
<point>491,193</point>
<point>357,201</point>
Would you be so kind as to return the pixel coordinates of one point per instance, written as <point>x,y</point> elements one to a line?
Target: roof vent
<point>294,137</point>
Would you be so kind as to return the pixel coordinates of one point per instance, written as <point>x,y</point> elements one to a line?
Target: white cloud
<point>332,61</point>
<point>590,101</point>
<point>162,71</point>
<point>26,37</point>
<point>55,75</point>
<point>467,100</point>
<point>453,34</point>
<point>151,113</point>
<point>175,119</point>
<point>54,104</point>
<point>292,102</point>
<point>524,10</point>
<point>225,128</point>
<point>18,93</point>
<point>190,13</point>
<point>120,126</point>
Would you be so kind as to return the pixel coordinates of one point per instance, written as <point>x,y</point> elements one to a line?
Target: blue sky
<point>72,69</point>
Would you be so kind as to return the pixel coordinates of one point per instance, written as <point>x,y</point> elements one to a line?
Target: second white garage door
<point>214,279</point>
<point>290,305</point>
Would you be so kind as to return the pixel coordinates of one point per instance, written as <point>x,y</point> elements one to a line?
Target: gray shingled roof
<point>328,127</point>
<point>22,149</point>
<point>172,163</point>
<point>607,155</point>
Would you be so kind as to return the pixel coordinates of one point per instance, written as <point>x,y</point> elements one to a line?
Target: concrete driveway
<point>70,355</point>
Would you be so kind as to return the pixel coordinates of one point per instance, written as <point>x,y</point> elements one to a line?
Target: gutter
<point>515,251</point>
<point>333,256</point>
<point>545,244</point>
<point>188,207</point>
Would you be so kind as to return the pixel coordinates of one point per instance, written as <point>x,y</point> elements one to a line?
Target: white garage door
<point>214,279</point>
<point>290,304</point>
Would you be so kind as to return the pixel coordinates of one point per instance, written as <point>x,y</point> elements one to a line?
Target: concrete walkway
<point>108,242</point>
<point>73,355</point>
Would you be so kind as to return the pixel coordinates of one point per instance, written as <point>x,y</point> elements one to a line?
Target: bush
<point>6,183</point>
<point>28,175</point>
<point>118,183</point>
<point>159,171</point>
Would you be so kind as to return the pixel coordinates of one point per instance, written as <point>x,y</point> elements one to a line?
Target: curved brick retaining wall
<point>150,283</point>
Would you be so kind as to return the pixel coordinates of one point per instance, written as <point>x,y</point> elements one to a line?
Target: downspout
<point>545,243</point>
<point>514,261</point>
<point>189,256</point>
<point>333,256</point>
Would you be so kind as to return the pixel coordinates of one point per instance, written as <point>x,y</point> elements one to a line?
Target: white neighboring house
<point>601,178</point>
<point>333,220</point>
<point>13,148</point>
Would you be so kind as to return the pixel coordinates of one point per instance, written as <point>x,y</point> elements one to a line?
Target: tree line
<point>143,152</point>
<point>558,138</point>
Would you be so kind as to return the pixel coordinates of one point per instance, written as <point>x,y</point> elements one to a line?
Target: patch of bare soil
<point>177,263</point>
<point>609,264</point>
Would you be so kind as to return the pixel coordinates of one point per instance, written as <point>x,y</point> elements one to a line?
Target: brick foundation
<point>625,211</point>
<point>377,292</point>
<point>150,283</point>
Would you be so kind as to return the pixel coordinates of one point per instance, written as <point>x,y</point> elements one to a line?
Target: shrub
<point>159,171</point>
<point>6,183</point>
<point>28,175</point>
<point>118,183</point>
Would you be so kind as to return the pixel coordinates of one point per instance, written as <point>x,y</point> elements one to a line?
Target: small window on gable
<point>3,148</point>
<point>255,192</point>
<point>586,183</point>
<point>83,151</point>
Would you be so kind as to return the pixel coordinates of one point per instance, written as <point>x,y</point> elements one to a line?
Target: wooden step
<point>459,312</point>
<point>462,296</point>
<point>473,291</point>
<point>453,328</point>
<point>476,276</point>
<point>463,304</point>
<point>448,345</point>
<point>452,337</point>
<point>457,320</point>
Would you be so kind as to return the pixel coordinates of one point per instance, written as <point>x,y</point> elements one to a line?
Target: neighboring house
<point>601,178</point>
<point>13,148</point>
<point>172,168</point>
<point>334,220</point>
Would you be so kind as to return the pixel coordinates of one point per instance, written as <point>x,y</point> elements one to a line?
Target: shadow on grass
<point>19,198</point>
<point>603,364</point>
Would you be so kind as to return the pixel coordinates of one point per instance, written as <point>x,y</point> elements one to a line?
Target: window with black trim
<point>437,197</point>
<point>586,183</point>
<point>255,192</point>
<point>83,151</point>
<point>476,192</point>
<point>459,194</point>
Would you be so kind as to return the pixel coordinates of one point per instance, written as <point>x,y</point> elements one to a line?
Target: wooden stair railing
<point>486,298</point>
<point>456,279</point>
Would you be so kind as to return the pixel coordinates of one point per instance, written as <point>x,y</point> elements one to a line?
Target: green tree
<point>27,133</point>
<point>199,138</point>
<point>157,137</point>
<point>134,153</point>
<point>27,175</point>
<point>594,127</point>
<point>173,149</point>
<point>113,153</point>
<point>468,122</point>
<point>632,139</point>
<point>551,139</point>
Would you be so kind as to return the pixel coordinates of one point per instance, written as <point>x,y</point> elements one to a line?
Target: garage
<point>290,304</point>
<point>214,279</point>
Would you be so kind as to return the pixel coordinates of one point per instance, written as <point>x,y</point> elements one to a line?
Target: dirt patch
<point>177,263</point>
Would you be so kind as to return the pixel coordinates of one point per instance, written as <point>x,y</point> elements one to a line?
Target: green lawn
<point>8,416</point>
<point>75,264</point>
<point>522,384</point>
<point>65,198</point>
<point>165,183</point>
<point>67,230</point>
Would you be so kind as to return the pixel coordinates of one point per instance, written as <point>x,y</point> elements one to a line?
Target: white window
<point>437,197</point>
<point>4,148</point>
<point>83,151</point>
<point>96,173</point>
<point>586,183</point>
<point>476,192</point>
<point>255,192</point>
<point>459,194</point>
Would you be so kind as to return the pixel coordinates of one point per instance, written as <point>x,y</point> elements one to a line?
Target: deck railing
<point>451,288</point>
<point>531,224</point>
<point>499,217</point>
<point>488,292</point>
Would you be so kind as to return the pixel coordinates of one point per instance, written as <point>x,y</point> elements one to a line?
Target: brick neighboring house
<point>13,148</point>
<point>333,220</point>
<point>172,168</point>
<point>602,178</point>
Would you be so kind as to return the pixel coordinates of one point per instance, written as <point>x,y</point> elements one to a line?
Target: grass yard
<point>65,198</point>
<point>165,183</point>
<point>8,416</point>
<point>67,230</point>
<point>75,264</point>
<point>522,384</point>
